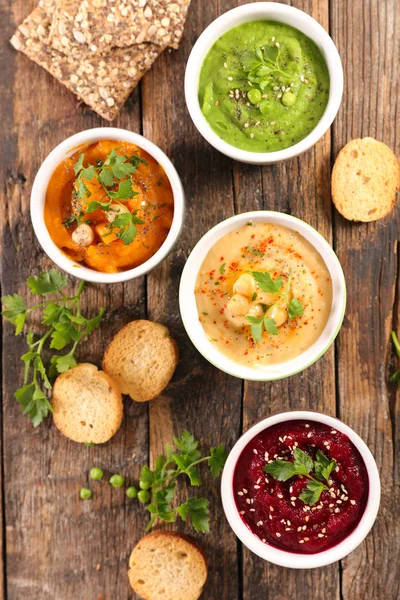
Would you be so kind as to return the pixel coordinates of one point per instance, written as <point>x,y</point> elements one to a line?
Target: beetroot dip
<point>272,510</point>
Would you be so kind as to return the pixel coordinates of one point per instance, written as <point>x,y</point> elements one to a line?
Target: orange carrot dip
<point>109,206</point>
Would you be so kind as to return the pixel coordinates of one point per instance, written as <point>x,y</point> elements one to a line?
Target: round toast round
<point>87,405</point>
<point>167,566</point>
<point>141,359</point>
<point>365,180</point>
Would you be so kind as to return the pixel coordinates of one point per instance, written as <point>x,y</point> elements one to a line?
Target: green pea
<point>85,494</point>
<point>143,496</point>
<point>96,473</point>
<point>144,485</point>
<point>288,99</point>
<point>132,492</point>
<point>264,107</point>
<point>117,481</point>
<point>254,95</point>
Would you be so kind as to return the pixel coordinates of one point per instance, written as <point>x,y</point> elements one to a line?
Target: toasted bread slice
<point>87,404</point>
<point>167,566</point>
<point>365,180</point>
<point>141,359</point>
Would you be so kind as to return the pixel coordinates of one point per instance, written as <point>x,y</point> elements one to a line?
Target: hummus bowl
<point>307,287</point>
<point>46,221</point>
<point>270,515</point>
<point>267,101</point>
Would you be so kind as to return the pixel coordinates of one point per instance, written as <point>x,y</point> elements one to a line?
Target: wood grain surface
<point>55,547</point>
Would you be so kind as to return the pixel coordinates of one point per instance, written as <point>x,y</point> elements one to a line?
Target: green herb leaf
<point>137,160</point>
<point>15,311</point>
<point>222,268</point>
<point>78,166</point>
<point>266,283</point>
<point>125,191</point>
<point>312,492</point>
<point>123,170</point>
<point>282,470</point>
<point>303,463</point>
<point>270,326</point>
<point>94,205</point>
<point>88,173</point>
<point>217,460</point>
<point>47,283</point>
<point>64,333</point>
<point>34,403</point>
<point>106,178</point>
<point>255,251</point>
<point>323,466</point>
<point>295,308</point>
<point>69,221</point>
<point>52,313</point>
<point>92,324</point>
<point>62,363</point>
<point>197,509</point>
<point>396,343</point>
<point>186,443</point>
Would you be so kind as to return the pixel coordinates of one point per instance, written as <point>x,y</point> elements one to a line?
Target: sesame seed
<point>299,529</point>
<point>280,495</point>
<point>255,451</point>
<point>307,518</point>
<point>288,522</point>
<point>276,88</point>
<point>252,135</point>
<point>271,508</point>
<point>230,78</point>
<point>333,431</point>
<point>352,502</point>
<point>257,124</point>
<point>323,530</point>
<point>301,541</point>
<point>293,503</point>
<point>244,491</point>
<point>306,539</point>
<point>260,523</point>
<point>320,535</point>
<point>293,498</point>
<point>258,480</point>
<point>337,510</point>
<point>278,534</point>
<point>270,517</point>
<point>309,435</point>
<point>225,65</point>
<point>279,95</point>
<point>304,527</point>
<point>273,39</point>
<point>240,493</point>
<point>290,489</point>
<point>264,540</point>
<point>331,505</point>
<point>241,512</point>
<point>264,96</point>
<point>302,79</point>
<point>252,501</point>
<point>256,487</point>
<point>273,123</point>
<point>266,456</point>
<point>307,425</point>
<point>283,88</point>
<point>252,510</point>
<point>248,500</point>
<point>288,529</point>
<point>277,44</point>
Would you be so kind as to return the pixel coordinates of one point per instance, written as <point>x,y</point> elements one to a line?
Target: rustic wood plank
<point>367,40</point>
<point>54,541</point>
<point>201,399</point>
<point>299,187</point>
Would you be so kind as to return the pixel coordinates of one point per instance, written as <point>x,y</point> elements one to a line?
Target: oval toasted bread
<point>87,405</point>
<point>141,359</point>
<point>167,566</point>
<point>365,180</point>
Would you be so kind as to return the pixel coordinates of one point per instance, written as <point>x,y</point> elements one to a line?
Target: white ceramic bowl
<point>290,559</point>
<point>272,11</point>
<point>190,317</point>
<point>38,196</point>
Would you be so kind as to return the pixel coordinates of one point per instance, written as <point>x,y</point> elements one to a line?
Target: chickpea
<point>245,285</point>
<point>256,310</point>
<point>238,305</point>
<point>115,211</point>
<point>83,235</point>
<point>278,314</point>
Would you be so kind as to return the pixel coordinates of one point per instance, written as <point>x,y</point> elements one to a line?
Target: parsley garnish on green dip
<point>264,86</point>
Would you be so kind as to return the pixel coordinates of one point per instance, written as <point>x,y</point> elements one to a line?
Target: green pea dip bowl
<point>263,83</point>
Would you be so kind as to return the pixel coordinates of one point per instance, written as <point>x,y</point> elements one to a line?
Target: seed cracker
<point>102,82</point>
<point>99,25</point>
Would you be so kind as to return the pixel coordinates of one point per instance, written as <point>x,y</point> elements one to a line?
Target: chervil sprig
<point>65,326</point>
<point>396,343</point>
<point>181,459</point>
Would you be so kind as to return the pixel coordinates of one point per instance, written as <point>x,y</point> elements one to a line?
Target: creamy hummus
<point>256,324</point>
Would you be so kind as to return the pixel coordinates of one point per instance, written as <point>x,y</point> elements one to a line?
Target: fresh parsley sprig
<point>396,343</point>
<point>303,465</point>
<point>181,459</point>
<point>114,171</point>
<point>273,286</point>
<point>66,326</point>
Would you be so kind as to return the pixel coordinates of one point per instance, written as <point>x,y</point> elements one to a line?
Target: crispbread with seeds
<point>87,405</point>
<point>365,180</point>
<point>98,25</point>
<point>102,82</point>
<point>167,566</point>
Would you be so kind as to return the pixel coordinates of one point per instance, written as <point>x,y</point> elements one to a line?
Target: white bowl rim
<point>290,559</point>
<point>38,195</point>
<point>189,313</point>
<point>277,12</point>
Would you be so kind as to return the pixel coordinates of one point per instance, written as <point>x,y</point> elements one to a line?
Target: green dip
<point>264,86</point>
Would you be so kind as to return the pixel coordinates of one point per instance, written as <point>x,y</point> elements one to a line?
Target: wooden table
<point>52,543</point>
